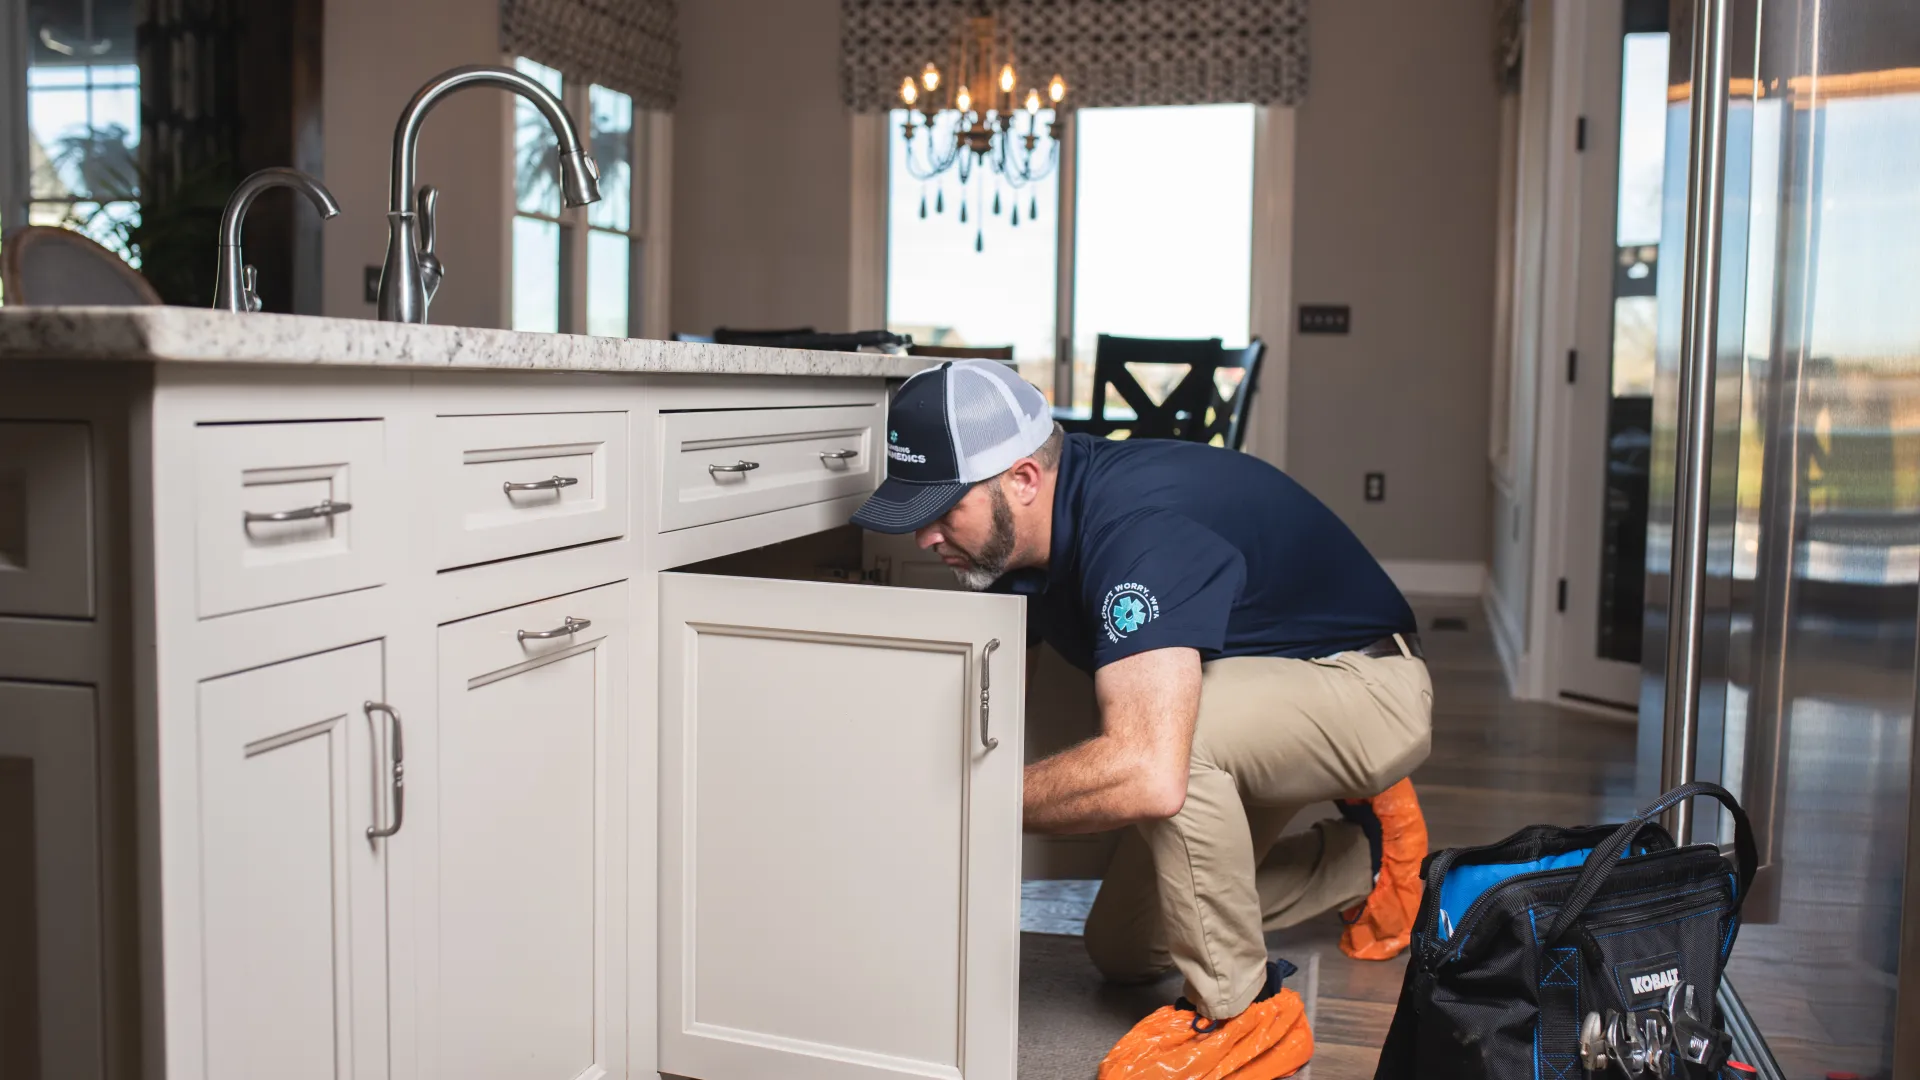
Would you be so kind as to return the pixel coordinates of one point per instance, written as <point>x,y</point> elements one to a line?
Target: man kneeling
<point>1249,657</point>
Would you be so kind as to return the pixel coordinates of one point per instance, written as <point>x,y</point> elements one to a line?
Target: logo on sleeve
<point>1126,609</point>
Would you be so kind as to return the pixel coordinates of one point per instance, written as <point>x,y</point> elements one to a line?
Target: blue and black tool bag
<point>1559,952</point>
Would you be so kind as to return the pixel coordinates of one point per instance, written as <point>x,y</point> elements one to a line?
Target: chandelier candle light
<point>974,133</point>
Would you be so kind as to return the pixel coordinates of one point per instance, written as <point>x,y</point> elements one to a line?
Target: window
<point>1161,242</point>
<point>963,270</point>
<point>83,122</point>
<point>574,268</point>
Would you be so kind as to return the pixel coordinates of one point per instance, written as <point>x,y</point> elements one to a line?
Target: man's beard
<point>988,564</point>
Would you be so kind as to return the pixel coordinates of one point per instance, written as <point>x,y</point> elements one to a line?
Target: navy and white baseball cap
<point>949,428</point>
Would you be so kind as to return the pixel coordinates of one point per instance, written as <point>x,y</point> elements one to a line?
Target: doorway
<point>1624,139</point>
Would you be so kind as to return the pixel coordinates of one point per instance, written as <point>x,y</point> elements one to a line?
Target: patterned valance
<point>632,46</point>
<point>1111,52</point>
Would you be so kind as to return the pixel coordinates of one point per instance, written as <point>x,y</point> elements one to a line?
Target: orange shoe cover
<point>1383,926</point>
<point>1270,1040</point>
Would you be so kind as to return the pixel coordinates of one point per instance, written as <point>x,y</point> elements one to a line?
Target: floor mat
<point>1056,907</point>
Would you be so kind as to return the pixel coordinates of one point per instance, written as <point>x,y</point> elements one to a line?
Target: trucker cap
<point>949,428</point>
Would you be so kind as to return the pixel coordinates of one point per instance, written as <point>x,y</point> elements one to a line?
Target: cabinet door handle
<point>399,771</point>
<point>325,508</point>
<point>571,626</point>
<point>552,483</point>
<point>838,455</point>
<point>736,467</point>
<point>986,692</point>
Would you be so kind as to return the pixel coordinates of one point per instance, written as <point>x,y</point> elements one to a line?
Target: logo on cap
<point>1127,608</point>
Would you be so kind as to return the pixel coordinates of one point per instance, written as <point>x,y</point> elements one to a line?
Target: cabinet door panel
<point>840,851</point>
<point>527,895</point>
<point>50,943</point>
<point>293,890</point>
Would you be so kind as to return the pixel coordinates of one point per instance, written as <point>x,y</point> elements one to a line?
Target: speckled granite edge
<point>190,335</point>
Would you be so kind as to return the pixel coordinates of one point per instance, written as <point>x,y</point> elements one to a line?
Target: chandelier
<point>982,130</point>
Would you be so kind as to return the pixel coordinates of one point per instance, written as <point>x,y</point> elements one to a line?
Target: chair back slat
<point>1181,414</point>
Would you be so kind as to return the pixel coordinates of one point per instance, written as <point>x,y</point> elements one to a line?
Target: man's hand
<point>1136,768</point>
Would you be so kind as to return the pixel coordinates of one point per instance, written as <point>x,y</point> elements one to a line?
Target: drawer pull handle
<point>736,467</point>
<point>838,455</point>
<point>325,508</point>
<point>986,695</point>
<point>552,483</point>
<point>399,772</point>
<point>571,626</point>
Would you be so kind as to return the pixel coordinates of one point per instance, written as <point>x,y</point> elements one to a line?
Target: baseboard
<point>1425,577</point>
<point>1506,636</point>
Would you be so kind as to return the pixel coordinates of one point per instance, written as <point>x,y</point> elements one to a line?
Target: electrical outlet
<point>1376,487</point>
<point>371,283</point>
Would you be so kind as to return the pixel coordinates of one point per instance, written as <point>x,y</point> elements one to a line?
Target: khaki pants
<point>1274,735</point>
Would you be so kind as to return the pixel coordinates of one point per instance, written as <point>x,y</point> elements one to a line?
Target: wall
<point>377,53</point>
<point>1395,187</point>
<point>762,167</point>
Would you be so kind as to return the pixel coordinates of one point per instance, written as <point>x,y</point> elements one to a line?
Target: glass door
<point>1627,136</point>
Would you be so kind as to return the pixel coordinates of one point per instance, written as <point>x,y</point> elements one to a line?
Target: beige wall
<point>378,52</point>
<point>762,163</point>
<point>1395,189</point>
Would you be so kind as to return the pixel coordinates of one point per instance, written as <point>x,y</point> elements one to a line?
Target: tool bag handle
<point>1606,858</point>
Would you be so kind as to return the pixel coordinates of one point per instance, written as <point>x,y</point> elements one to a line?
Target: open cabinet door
<point>840,771</point>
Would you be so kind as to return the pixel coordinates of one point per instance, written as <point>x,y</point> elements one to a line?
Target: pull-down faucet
<point>234,280</point>
<point>412,272</point>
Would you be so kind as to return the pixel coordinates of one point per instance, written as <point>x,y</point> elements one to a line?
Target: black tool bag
<point>1561,951</point>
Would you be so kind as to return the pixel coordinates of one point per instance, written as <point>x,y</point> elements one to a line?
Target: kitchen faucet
<point>412,271</point>
<point>234,280</point>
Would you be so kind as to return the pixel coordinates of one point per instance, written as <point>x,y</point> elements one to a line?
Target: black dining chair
<point>1227,409</point>
<point>1179,415</point>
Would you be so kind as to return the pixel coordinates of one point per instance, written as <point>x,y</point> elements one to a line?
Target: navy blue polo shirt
<point>1159,544</point>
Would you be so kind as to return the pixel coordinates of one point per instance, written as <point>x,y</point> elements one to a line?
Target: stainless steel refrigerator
<point>1791,270</point>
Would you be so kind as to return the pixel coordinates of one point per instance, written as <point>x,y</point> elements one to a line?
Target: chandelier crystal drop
<point>994,138</point>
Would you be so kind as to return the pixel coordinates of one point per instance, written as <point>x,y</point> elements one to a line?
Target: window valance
<point>1111,52</point>
<point>632,46</point>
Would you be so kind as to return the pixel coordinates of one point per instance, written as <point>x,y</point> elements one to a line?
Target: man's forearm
<point>1092,787</point>
<point>1136,768</point>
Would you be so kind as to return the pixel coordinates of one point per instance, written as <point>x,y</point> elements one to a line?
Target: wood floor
<point>1497,765</point>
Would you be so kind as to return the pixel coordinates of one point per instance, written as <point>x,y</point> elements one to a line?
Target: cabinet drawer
<point>514,485</point>
<point>729,464</point>
<point>46,533</point>
<point>290,512</point>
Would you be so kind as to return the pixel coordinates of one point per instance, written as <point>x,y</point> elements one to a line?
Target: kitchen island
<point>370,707</point>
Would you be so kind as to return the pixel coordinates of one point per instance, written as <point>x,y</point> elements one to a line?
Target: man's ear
<point>1023,481</point>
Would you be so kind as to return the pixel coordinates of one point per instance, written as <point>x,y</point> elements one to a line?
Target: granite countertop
<point>197,336</point>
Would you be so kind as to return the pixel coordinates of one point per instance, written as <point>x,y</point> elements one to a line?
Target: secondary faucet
<point>412,272</point>
<point>235,281</point>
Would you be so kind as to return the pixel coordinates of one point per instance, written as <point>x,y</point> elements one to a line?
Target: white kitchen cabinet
<point>840,772</point>
<point>50,956</point>
<point>257,574</point>
<point>297,762</point>
<point>517,848</point>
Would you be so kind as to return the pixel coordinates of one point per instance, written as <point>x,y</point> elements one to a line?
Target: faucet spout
<point>403,294</point>
<point>233,288</point>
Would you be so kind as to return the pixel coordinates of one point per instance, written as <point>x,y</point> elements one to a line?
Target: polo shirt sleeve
<point>1158,580</point>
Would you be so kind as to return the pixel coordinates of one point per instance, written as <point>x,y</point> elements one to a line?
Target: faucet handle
<point>250,288</point>
<point>423,232</point>
<point>431,271</point>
